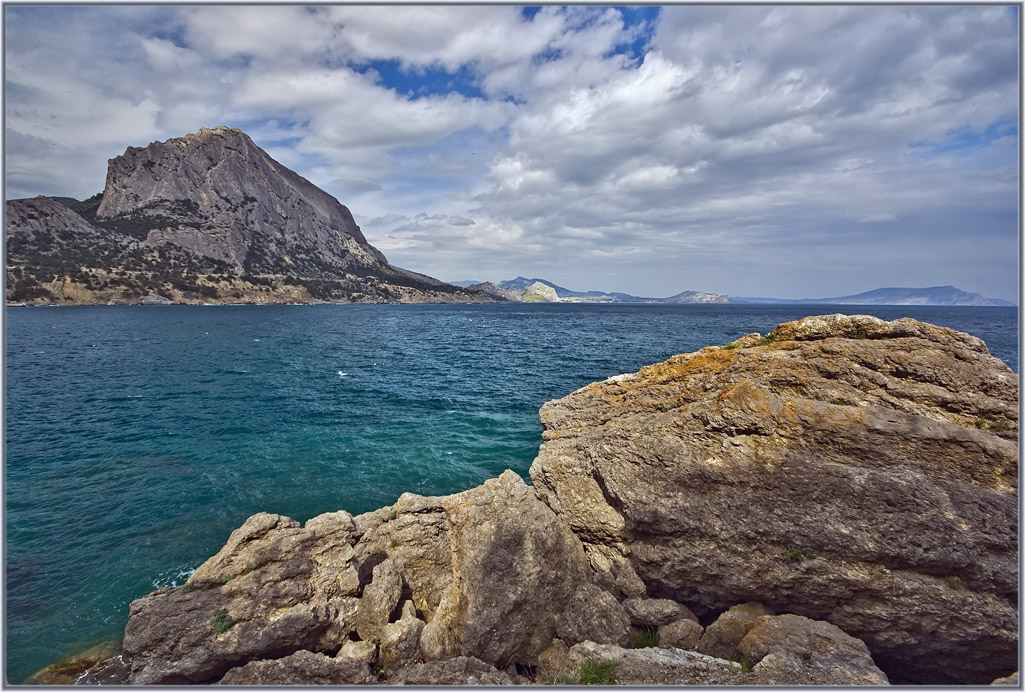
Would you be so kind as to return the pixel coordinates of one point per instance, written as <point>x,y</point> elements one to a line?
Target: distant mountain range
<point>936,295</point>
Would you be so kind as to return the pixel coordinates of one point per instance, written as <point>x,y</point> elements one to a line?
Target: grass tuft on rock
<point>645,637</point>
<point>598,673</point>
<point>221,622</point>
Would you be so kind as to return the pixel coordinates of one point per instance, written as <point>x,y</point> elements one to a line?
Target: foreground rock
<point>428,578</point>
<point>845,469</point>
<point>302,668</point>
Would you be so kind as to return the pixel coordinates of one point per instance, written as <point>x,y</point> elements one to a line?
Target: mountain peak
<point>204,212</point>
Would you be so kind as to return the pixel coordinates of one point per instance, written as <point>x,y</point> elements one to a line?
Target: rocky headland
<point>834,503</point>
<point>205,218</point>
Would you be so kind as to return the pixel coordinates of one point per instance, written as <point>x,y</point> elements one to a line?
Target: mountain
<point>520,283</point>
<point>208,217</point>
<point>936,295</point>
<point>697,297</point>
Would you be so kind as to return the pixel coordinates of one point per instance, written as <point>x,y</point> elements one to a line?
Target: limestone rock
<point>554,658</point>
<point>234,210</point>
<point>400,643</point>
<point>655,612</point>
<point>263,595</point>
<point>302,668</point>
<point>477,563</point>
<point>697,297</point>
<point>722,638</point>
<point>844,468</point>
<point>682,634</point>
<point>538,292</point>
<point>495,291</point>
<point>635,667</point>
<point>1009,680</point>
<point>461,670</point>
<point>364,651</point>
<point>471,571</point>
<point>380,598</point>
<point>794,650</point>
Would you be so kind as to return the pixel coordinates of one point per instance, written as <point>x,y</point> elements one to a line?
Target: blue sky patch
<point>967,139</point>
<point>417,82</point>
<point>642,18</point>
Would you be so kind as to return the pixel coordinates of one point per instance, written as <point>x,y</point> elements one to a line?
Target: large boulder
<point>301,668</point>
<point>794,650</point>
<point>652,666</point>
<point>842,468</point>
<point>461,670</point>
<point>523,579</point>
<point>722,638</point>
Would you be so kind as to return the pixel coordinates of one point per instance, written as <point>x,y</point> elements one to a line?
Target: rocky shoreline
<point>834,503</point>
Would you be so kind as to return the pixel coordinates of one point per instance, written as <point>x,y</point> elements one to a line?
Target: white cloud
<point>879,218</point>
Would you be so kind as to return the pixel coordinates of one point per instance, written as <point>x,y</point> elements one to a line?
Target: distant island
<point>211,218</point>
<point>936,295</point>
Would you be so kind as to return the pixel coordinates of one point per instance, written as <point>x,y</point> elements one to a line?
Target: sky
<point>760,150</point>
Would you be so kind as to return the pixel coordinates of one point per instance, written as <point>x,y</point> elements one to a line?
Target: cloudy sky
<point>798,151</point>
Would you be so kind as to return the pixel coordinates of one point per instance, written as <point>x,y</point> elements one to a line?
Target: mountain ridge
<point>934,295</point>
<point>207,217</point>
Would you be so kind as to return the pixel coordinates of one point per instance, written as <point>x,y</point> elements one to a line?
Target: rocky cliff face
<point>538,292</point>
<point>842,468</point>
<point>219,195</point>
<point>208,217</point>
<point>833,504</point>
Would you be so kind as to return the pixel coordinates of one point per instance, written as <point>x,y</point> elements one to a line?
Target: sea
<point>138,438</point>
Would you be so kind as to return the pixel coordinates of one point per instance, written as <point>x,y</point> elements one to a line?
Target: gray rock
<point>682,634</point>
<point>244,203</point>
<point>263,595</point>
<point>845,469</point>
<point>302,668</point>
<point>794,650</point>
<point>400,643</point>
<point>461,670</point>
<point>722,638</point>
<point>655,612</point>
<point>1011,680</point>
<point>364,651</point>
<point>554,658</point>
<point>513,553</point>
<point>538,292</point>
<point>380,599</point>
<point>643,667</point>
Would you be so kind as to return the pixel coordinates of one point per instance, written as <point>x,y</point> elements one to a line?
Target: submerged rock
<point>843,468</point>
<point>102,664</point>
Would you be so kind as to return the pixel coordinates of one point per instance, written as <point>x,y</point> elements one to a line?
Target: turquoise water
<point>138,438</point>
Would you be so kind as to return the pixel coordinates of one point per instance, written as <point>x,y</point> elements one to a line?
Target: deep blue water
<point>138,438</point>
